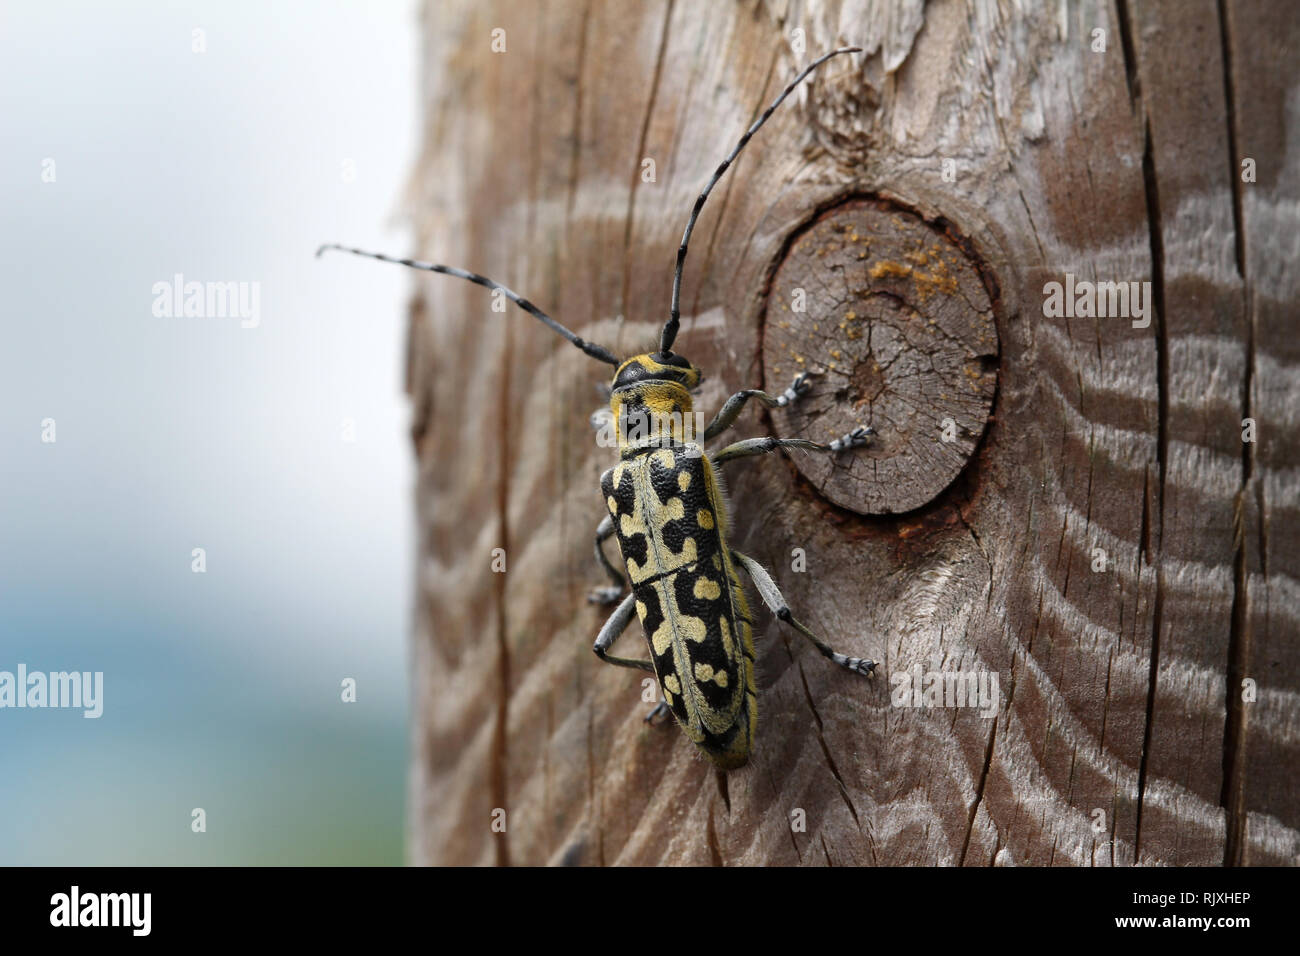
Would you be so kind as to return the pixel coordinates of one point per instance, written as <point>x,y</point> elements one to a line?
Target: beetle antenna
<point>590,348</point>
<point>670,330</point>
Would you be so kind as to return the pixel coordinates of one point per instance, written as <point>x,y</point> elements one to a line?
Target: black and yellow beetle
<point>666,508</point>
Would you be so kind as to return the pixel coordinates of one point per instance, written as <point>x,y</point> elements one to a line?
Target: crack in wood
<point>1232,796</point>
<point>1156,240</point>
<point>499,759</point>
<point>826,750</point>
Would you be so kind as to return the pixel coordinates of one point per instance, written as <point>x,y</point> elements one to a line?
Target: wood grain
<point>1121,735</point>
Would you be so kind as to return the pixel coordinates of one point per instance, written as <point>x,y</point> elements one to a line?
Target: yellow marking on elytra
<point>684,480</point>
<point>670,510</point>
<point>693,628</point>
<point>619,470</point>
<point>640,610</point>
<point>672,684</point>
<point>613,505</point>
<point>629,525</point>
<point>705,672</point>
<point>707,590</point>
<point>662,639</point>
<point>717,563</point>
<point>705,518</point>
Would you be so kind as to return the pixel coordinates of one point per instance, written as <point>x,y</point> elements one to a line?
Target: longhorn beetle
<point>667,509</point>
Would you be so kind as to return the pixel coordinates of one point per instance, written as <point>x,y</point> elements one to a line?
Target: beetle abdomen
<point>700,646</point>
<point>668,515</point>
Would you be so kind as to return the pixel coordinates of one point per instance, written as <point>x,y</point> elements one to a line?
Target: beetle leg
<point>607,595</point>
<point>733,406</point>
<point>660,709</point>
<point>761,446</point>
<point>613,629</point>
<point>772,597</point>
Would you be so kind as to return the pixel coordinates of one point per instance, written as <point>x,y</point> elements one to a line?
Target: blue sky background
<point>221,690</point>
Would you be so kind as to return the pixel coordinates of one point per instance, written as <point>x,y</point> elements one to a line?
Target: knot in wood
<point>892,314</point>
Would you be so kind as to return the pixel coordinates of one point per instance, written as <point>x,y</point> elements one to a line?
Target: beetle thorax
<point>654,414</point>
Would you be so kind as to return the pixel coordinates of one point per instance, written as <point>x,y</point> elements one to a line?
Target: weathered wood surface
<point>1121,706</point>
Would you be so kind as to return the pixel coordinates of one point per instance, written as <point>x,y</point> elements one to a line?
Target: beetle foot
<point>855,439</point>
<point>798,388</point>
<point>859,665</point>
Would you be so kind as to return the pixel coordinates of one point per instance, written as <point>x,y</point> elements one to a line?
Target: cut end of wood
<point>893,315</point>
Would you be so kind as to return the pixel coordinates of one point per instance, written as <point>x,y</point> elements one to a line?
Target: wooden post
<point>1108,525</point>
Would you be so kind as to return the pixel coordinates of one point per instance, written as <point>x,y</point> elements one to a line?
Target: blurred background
<point>222,141</point>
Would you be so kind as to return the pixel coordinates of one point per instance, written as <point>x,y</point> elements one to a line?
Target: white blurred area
<point>294,126</point>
